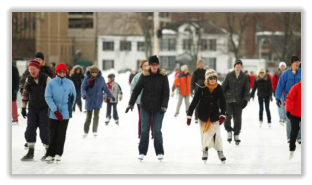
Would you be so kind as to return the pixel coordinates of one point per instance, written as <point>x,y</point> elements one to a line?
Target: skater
<point>77,79</point>
<point>92,89</point>
<point>276,76</point>
<point>133,73</point>
<point>293,109</point>
<point>184,81</point>
<point>15,87</point>
<point>144,67</point>
<point>43,68</point>
<point>236,91</point>
<point>117,93</point>
<point>60,95</point>
<point>209,96</point>
<point>37,117</point>
<point>264,86</point>
<point>288,79</point>
<point>154,103</point>
<point>198,78</point>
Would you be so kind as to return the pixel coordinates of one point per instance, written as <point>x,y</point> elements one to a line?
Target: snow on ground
<point>262,150</point>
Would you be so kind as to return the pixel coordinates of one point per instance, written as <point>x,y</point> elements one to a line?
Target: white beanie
<point>282,63</point>
<point>209,73</point>
<point>183,68</point>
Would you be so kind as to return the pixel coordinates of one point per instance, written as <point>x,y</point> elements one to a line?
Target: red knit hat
<point>34,63</point>
<point>61,67</point>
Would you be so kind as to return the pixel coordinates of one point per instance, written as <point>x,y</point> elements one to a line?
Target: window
<point>108,46</point>
<point>164,14</point>
<point>167,44</point>
<point>212,44</point>
<point>108,64</point>
<point>210,62</point>
<point>167,62</point>
<point>187,44</point>
<point>141,46</point>
<point>80,23</point>
<point>204,44</point>
<point>125,46</point>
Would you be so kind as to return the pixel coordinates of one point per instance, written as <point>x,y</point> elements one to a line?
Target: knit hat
<point>39,55</point>
<point>238,62</point>
<point>153,60</point>
<point>61,67</point>
<point>94,69</point>
<point>183,68</point>
<point>34,63</point>
<point>112,76</point>
<point>210,73</point>
<point>281,63</point>
<point>294,59</point>
<point>261,70</point>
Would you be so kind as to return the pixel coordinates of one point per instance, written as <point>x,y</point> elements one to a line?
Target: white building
<point>175,48</point>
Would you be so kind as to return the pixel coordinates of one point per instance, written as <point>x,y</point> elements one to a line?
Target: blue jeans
<point>109,110</point>
<point>281,110</point>
<point>145,127</point>
<point>288,127</point>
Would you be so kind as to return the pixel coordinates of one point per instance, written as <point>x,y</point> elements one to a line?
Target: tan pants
<point>208,139</point>
<point>186,101</point>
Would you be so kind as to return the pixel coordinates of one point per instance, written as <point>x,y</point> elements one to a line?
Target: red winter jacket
<point>293,100</point>
<point>252,79</point>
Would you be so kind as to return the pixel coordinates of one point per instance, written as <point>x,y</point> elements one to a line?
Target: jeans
<point>139,111</point>
<point>109,110</point>
<point>267,108</point>
<point>288,127</point>
<point>57,137</point>
<point>78,99</point>
<point>281,110</point>
<point>235,110</point>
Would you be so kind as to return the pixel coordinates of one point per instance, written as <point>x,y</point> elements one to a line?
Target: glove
<point>221,119</point>
<point>84,97</point>
<point>24,114</point>
<point>271,98</point>
<point>188,122</point>
<point>163,109</point>
<point>129,107</point>
<point>172,94</point>
<point>113,98</point>
<point>278,103</point>
<point>289,116</point>
<point>58,115</point>
<point>15,91</point>
<point>244,104</point>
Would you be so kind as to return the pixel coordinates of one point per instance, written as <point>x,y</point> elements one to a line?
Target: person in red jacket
<point>252,78</point>
<point>293,109</point>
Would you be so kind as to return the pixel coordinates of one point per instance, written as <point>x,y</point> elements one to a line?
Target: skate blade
<point>223,162</point>
<point>27,160</point>
<point>205,161</point>
<point>57,161</point>
<point>49,162</point>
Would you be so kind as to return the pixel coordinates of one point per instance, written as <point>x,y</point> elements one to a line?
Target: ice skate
<point>107,120</point>
<point>49,159</point>
<point>281,122</point>
<point>291,155</point>
<point>196,121</point>
<point>176,114</point>
<point>299,141</point>
<point>14,122</point>
<point>141,157</point>
<point>288,140</point>
<point>229,139</point>
<point>30,154</point>
<point>26,146</point>
<point>236,139</point>
<point>221,156</point>
<point>260,123</point>
<point>160,157</point>
<point>269,125</point>
<point>57,159</point>
<point>45,152</point>
<point>117,122</point>
<point>95,134</point>
<point>205,155</point>
<point>85,135</point>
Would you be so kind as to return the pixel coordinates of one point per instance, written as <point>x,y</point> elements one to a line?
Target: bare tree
<point>236,25</point>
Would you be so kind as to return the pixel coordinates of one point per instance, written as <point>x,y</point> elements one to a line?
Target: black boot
<point>80,108</point>
<point>30,154</point>
<point>45,152</point>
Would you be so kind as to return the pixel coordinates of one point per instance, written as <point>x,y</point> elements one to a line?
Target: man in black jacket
<point>236,91</point>
<point>77,79</point>
<point>154,103</point>
<point>198,78</point>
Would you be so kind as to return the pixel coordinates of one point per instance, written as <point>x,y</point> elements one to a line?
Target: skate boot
<point>57,159</point>
<point>85,135</point>
<point>141,157</point>
<point>281,122</point>
<point>176,114</point>
<point>229,139</point>
<point>221,156</point>
<point>30,154</point>
<point>107,120</point>
<point>236,139</point>
<point>45,152</point>
<point>95,134</point>
<point>291,155</point>
<point>117,122</point>
<point>269,124</point>
<point>299,141</point>
<point>260,122</point>
<point>26,146</point>
<point>80,108</point>
<point>288,140</point>
<point>49,159</point>
<point>205,155</point>
<point>160,157</point>
<point>14,122</point>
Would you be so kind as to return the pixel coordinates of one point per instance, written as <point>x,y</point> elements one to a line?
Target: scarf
<point>91,82</point>
<point>211,88</point>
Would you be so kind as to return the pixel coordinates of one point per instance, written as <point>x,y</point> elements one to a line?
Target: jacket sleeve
<point>176,83</point>
<point>15,79</point>
<point>120,90</point>
<point>84,87</point>
<point>246,90</point>
<point>274,82</point>
<point>136,91</point>
<point>74,93</point>
<point>290,99</point>
<point>165,93</point>
<point>254,88</point>
<point>133,83</point>
<point>195,101</point>
<point>23,78</point>
<point>225,83</point>
<point>280,86</point>
<point>193,82</point>
<point>270,87</point>
<point>49,97</point>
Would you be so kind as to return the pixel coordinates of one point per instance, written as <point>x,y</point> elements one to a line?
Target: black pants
<point>235,110</point>
<point>267,108</point>
<point>37,118</point>
<point>295,127</point>
<point>57,137</point>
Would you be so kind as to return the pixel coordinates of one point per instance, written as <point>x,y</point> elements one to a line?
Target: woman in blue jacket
<point>60,95</point>
<point>92,89</point>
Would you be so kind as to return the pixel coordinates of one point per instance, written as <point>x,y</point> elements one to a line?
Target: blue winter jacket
<point>285,82</point>
<point>133,83</point>
<point>60,94</point>
<point>95,94</point>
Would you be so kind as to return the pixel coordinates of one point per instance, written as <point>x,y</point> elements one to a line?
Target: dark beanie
<point>153,60</point>
<point>238,62</point>
<point>294,59</point>
<point>39,55</point>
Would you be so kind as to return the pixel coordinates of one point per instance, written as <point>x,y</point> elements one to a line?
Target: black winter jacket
<point>264,86</point>
<point>15,81</point>
<point>197,77</point>
<point>77,78</point>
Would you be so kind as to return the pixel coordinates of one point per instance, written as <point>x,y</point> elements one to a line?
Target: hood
<point>88,74</point>
<point>78,67</point>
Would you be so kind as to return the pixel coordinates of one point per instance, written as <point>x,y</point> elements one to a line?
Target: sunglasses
<point>212,78</point>
<point>154,65</point>
<point>61,71</point>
